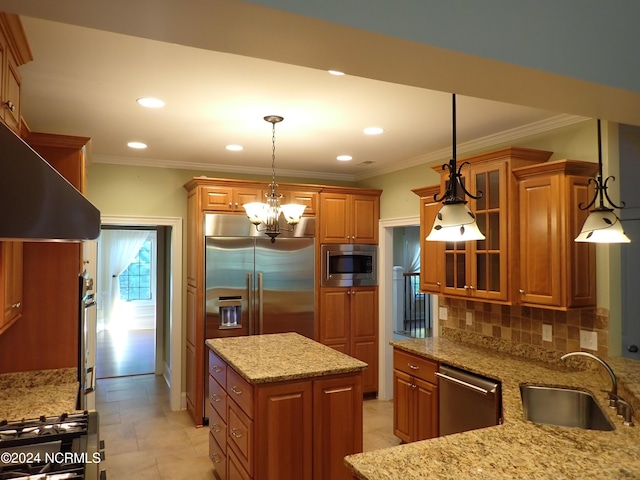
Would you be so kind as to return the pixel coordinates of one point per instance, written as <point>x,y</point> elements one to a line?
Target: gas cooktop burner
<point>43,426</point>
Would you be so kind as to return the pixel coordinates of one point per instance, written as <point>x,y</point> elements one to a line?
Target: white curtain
<point>118,250</point>
<point>411,253</point>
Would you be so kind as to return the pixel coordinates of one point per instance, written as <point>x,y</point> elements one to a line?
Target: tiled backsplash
<point>523,325</point>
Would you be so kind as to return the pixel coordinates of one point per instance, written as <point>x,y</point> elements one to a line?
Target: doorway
<point>129,284</point>
<point>169,347</point>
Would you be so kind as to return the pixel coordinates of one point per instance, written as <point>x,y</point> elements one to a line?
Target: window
<point>135,281</point>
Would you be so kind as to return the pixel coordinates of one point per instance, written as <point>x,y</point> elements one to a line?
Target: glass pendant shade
<point>292,212</point>
<point>455,223</point>
<point>602,226</point>
<point>256,211</point>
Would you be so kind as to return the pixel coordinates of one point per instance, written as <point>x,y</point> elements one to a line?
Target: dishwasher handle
<point>468,385</point>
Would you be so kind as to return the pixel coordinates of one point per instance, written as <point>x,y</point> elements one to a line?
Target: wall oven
<point>349,265</point>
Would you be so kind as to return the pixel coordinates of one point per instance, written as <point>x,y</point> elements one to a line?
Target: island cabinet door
<point>337,424</point>
<point>284,432</point>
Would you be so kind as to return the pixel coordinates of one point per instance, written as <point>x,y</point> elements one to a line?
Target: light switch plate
<point>443,313</point>
<point>588,340</point>
<point>547,332</point>
<point>469,318</point>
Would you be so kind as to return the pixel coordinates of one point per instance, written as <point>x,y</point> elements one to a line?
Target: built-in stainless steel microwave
<point>349,265</point>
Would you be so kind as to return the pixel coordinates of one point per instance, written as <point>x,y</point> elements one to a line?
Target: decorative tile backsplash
<point>524,325</point>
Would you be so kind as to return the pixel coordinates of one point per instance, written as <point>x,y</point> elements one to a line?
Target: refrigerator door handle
<point>250,297</point>
<point>260,304</point>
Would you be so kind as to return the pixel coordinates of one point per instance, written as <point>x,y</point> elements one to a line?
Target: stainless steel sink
<point>563,407</point>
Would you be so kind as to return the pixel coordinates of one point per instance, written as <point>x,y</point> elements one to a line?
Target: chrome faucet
<point>613,394</point>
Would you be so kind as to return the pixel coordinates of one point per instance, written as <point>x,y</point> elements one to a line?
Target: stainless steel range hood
<point>36,202</point>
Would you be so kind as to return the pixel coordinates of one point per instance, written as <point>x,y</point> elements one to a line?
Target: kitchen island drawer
<point>240,391</point>
<point>218,428</point>
<point>240,437</point>
<point>217,397</point>
<point>218,369</point>
<point>218,457</point>
<point>416,366</point>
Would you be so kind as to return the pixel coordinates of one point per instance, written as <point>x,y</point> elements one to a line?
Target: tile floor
<point>145,440</point>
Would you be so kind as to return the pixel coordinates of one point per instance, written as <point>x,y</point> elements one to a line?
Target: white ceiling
<point>84,82</point>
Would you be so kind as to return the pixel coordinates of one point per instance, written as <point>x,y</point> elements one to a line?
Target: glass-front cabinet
<point>481,269</point>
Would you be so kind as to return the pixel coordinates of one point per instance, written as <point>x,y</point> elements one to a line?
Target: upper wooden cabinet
<point>222,198</point>
<point>349,216</point>
<point>481,269</point>
<point>11,283</point>
<point>431,253</point>
<point>14,52</point>
<point>555,271</point>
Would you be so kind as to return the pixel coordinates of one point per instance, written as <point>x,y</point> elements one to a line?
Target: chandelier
<point>602,225</point>
<point>266,216</point>
<point>455,222</point>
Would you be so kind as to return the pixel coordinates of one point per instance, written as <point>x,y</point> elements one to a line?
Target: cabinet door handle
<point>215,428</point>
<point>234,432</point>
<point>10,106</point>
<point>215,458</point>
<point>236,390</point>
<point>16,305</point>
<point>413,367</point>
<point>439,284</point>
<point>216,369</point>
<point>521,291</point>
<point>215,397</point>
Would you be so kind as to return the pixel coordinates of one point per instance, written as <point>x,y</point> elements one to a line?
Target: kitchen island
<point>517,448</point>
<point>282,406</point>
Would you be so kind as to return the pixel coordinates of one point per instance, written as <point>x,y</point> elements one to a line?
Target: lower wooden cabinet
<point>349,324</point>
<point>300,429</point>
<point>415,397</point>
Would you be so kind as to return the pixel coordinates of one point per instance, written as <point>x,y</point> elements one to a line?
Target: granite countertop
<point>42,392</point>
<point>282,356</point>
<point>517,448</point>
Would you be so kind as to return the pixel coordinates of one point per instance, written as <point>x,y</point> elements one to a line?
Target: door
<point>229,286</point>
<point>630,262</point>
<point>285,286</point>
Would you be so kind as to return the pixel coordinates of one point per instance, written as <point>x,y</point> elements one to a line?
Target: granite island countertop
<point>282,356</point>
<point>517,448</point>
<point>31,394</point>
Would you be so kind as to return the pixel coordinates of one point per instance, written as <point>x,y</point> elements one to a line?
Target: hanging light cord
<point>600,186</point>
<point>455,173</point>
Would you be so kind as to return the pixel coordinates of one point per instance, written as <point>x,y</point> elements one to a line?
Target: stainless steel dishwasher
<point>467,401</point>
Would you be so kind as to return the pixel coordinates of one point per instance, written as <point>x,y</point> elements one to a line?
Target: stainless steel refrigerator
<point>256,287</point>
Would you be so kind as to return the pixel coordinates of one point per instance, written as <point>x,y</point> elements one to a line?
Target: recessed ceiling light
<point>344,158</point>
<point>234,148</point>
<point>373,130</point>
<point>150,102</point>
<point>137,145</point>
<point>337,73</point>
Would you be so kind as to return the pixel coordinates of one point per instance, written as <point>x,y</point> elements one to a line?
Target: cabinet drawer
<point>217,397</point>
<point>240,437</point>
<point>235,468</point>
<point>218,369</point>
<point>240,391</point>
<point>218,457</point>
<point>218,428</point>
<point>416,366</point>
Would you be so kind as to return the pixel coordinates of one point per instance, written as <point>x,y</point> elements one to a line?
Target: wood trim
<point>567,167</point>
<point>511,153</point>
<point>54,140</point>
<point>17,37</point>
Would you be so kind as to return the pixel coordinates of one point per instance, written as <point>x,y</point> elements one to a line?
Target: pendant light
<point>602,225</point>
<point>266,216</point>
<point>455,222</point>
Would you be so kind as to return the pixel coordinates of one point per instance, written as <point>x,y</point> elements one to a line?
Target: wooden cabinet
<point>555,271</point>
<point>14,52</point>
<point>208,195</point>
<point>285,430</point>
<point>11,281</point>
<point>349,217</point>
<point>415,397</point>
<point>431,253</point>
<point>349,324</point>
<point>482,269</point>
